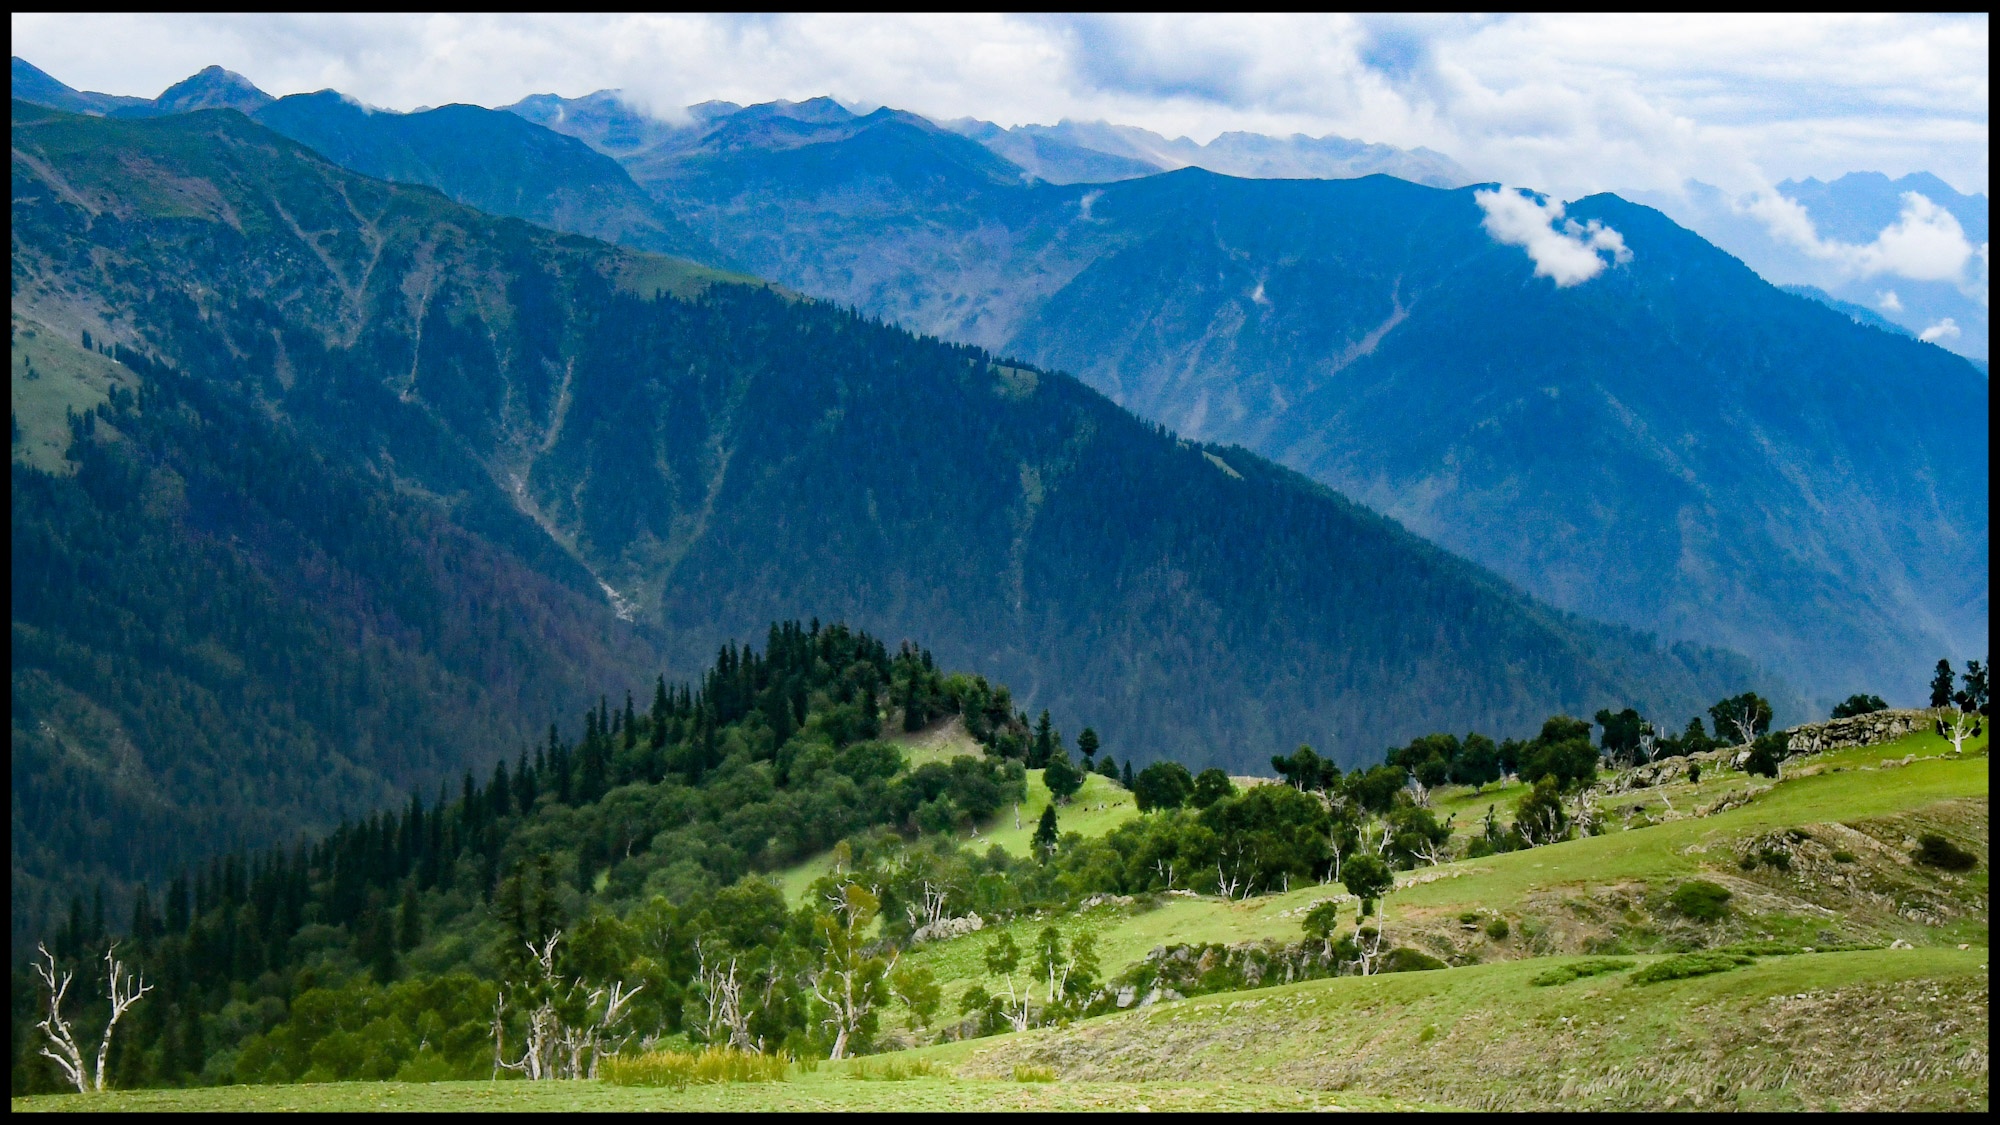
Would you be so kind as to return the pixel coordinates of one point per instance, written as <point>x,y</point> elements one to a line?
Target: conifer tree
<point>1086,745</point>
<point>1941,685</point>
<point>1045,832</point>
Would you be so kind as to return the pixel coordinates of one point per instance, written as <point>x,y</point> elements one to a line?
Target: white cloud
<point>1573,103</point>
<point>1887,301</point>
<point>1946,329</point>
<point>1569,255</point>
<point>1925,243</point>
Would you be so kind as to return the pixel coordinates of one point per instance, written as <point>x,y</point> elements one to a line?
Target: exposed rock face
<point>948,928</point>
<point>1861,730</point>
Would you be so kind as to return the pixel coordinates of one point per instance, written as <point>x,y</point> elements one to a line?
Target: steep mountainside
<point>495,161</point>
<point>1725,471</point>
<point>722,462</point>
<point>1853,210</point>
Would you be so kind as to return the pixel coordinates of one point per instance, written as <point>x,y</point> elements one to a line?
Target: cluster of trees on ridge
<point>612,887</point>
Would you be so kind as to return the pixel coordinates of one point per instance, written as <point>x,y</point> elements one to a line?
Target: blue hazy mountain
<point>1853,209</point>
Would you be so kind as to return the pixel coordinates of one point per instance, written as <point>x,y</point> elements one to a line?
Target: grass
<point>1097,808</point>
<point>1577,970</point>
<point>1664,855</point>
<point>825,1091</point>
<point>67,378</point>
<point>1876,1029</point>
<point>677,1070</point>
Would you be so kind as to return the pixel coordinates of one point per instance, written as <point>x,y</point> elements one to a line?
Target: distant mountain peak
<point>212,88</point>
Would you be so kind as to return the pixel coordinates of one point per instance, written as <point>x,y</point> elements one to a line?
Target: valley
<point>807,605</point>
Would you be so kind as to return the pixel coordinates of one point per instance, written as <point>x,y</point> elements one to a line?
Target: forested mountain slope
<point>1736,466</point>
<point>1674,444</point>
<point>545,410</point>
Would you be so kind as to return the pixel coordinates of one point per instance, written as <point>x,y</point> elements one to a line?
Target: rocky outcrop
<point>948,928</point>
<point>1861,730</point>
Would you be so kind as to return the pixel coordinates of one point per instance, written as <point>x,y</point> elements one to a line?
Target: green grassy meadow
<point>1853,1022</point>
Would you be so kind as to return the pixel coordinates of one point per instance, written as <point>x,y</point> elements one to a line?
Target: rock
<point>1861,730</point>
<point>948,928</point>
<point>1126,995</point>
<point>1899,943</point>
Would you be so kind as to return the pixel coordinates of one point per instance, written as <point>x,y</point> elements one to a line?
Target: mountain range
<point>1852,210</point>
<point>1371,334</point>
<point>331,486</point>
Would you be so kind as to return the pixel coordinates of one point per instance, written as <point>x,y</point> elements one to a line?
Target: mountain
<point>1099,152</point>
<point>890,215</point>
<point>417,436</point>
<point>1052,159</point>
<point>1859,314</point>
<point>212,88</point>
<point>32,84</point>
<point>495,161</point>
<point>1370,334</point>
<point>1852,210</point>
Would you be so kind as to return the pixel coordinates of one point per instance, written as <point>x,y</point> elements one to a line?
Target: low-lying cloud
<point>1568,254</point>
<point>1946,329</point>
<point>1925,243</point>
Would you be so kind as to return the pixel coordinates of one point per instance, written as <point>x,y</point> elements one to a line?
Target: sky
<point>1564,104</point>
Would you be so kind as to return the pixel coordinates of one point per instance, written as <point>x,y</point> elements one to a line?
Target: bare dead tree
<point>53,1025</point>
<point>1962,727</point>
<point>556,1048</point>
<point>124,989</point>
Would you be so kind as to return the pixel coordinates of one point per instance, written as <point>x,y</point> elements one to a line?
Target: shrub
<point>894,1071</point>
<point>679,1069</point>
<point>1700,899</point>
<point>1403,959</point>
<point>1760,949</point>
<point>1577,970</point>
<point>1694,773</point>
<point>1859,705</point>
<point>1497,929</point>
<point>1934,850</point>
<point>1843,856</point>
<point>1690,965</point>
<point>1034,1074</point>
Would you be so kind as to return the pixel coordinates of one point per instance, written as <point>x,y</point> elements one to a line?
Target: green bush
<point>1403,959</point>
<point>1700,899</point>
<point>893,1071</point>
<point>1934,850</point>
<point>677,1070</point>
<point>1497,929</point>
<point>1843,856</point>
<point>1690,965</point>
<point>1760,949</point>
<point>1563,974</point>
<point>1034,1074</point>
<point>1470,917</point>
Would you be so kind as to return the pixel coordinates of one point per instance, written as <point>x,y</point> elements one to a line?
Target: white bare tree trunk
<point>65,1052</point>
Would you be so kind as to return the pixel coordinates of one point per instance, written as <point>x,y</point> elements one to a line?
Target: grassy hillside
<point>1868,1030</point>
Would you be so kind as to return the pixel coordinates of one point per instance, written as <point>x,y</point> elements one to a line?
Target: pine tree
<point>1125,776</point>
<point>631,724</point>
<point>1043,745</point>
<point>409,920</point>
<point>1086,745</point>
<point>661,707</point>
<point>1941,685</point>
<point>1045,832</point>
